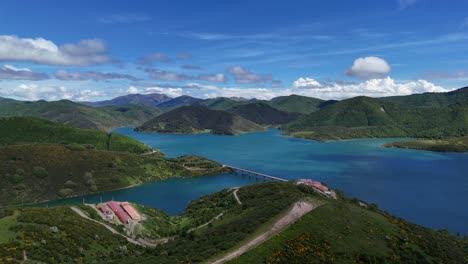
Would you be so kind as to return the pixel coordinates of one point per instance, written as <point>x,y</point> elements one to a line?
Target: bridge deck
<point>257,173</point>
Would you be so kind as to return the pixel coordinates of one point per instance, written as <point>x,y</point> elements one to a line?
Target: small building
<point>105,209</point>
<point>314,184</point>
<point>118,212</point>
<point>130,211</point>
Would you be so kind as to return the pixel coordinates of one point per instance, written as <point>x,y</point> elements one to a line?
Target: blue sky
<point>83,50</point>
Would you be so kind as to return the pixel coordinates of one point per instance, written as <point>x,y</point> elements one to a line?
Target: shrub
<point>16,179</point>
<point>40,172</point>
<point>20,186</point>
<point>65,192</point>
<point>90,182</point>
<point>88,175</point>
<point>93,188</point>
<point>70,184</point>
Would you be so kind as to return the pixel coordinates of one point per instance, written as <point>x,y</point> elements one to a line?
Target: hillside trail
<point>235,195</point>
<point>299,209</point>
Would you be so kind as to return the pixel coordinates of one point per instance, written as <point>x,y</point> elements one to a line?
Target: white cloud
<point>373,88</point>
<point>369,67</point>
<point>132,90</point>
<point>33,92</point>
<point>10,72</point>
<point>244,76</point>
<point>306,83</point>
<point>308,87</point>
<point>90,75</point>
<point>149,59</point>
<point>219,77</point>
<point>42,51</point>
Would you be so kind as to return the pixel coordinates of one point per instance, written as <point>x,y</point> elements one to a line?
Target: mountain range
<point>428,115</point>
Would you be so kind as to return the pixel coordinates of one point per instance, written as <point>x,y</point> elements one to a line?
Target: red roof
<point>118,211</point>
<point>130,211</point>
<point>322,188</point>
<point>104,208</point>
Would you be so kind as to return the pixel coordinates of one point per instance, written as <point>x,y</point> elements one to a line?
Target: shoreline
<point>107,191</point>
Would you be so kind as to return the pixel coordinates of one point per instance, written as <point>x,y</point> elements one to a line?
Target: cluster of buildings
<point>316,185</point>
<point>124,211</point>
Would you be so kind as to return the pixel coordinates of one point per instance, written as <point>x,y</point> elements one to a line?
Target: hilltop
<point>263,114</point>
<point>198,118</point>
<point>30,130</point>
<point>431,99</point>
<point>180,101</point>
<point>79,115</point>
<point>222,103</point>
<point>364,117</point>
<point>213,226</point>
<point>296,104</point>
<point>153,100</point>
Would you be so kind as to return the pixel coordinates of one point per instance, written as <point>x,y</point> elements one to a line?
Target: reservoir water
<point>427,188</point>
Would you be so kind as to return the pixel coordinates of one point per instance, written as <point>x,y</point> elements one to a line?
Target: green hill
<point>336,231</point>
<point>79,115</point>
<point>431,99</point>
<point>151,100</point>
<point>34,173</point>
<point>363,117</point>
<point>296,104</point>
<point>263,114</point>
<point>459,144</point>
<point>30,130</point>
<point>198,118</point>
<point>221,103</point>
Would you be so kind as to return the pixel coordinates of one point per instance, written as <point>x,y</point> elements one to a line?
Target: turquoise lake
<point>427,188</point>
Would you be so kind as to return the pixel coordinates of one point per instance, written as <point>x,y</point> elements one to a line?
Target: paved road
<point>299,209</point>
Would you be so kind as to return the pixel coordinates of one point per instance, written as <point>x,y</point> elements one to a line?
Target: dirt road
<point>299,209</point>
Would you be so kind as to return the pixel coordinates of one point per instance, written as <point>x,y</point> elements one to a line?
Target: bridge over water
<point>254,173</point>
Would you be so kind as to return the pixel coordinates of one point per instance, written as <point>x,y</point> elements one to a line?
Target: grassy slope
<point>79,115</point>
<point>27,130</point>
<point>77,241</point>
<point>33,173</point>
<point>440,145</point>
<point>296,104</point>
<point>363,117</point>
<point>339,231</point>
<point>197,118</point>
<point>342,232</point>
<point>264,114</point>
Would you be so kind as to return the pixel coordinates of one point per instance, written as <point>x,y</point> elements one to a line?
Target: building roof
<point>130,211</point>
<point>104,208</point>
<point>118,211</point>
